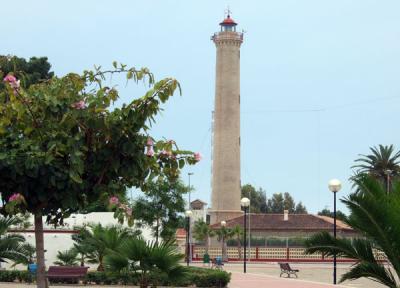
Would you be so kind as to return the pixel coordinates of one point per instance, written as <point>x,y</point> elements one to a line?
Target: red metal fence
<point>271,254</point>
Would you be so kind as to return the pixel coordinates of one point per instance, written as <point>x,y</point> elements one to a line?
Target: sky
<point>319,79</point>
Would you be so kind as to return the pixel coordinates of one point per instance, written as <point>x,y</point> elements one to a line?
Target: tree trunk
<point>239,248</point>
<point>41,268</point>
<point>224,257</point>
<point>207,243</point>
<point>101,266</point>
<point>157,228</point>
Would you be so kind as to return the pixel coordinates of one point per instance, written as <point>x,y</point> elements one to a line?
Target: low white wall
<point>60,238</point>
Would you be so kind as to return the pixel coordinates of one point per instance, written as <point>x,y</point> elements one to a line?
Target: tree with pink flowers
<point>63,146</point>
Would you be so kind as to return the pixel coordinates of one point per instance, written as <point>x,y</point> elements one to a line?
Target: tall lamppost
<point>189,174</point>
<point>223,224</point>
<point>188,214</point>
<point>334,185</point>
<point>245,203</point>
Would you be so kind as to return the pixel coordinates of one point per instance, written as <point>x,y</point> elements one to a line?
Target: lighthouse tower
<point>225,199</point>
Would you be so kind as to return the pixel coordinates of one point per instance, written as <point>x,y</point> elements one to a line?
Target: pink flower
<point>113,200</point>
<point>79,105</point>
<point>10,79</point>
<point>149,142</point>
<point>197,156</point>
<point>15,85</point>
<point>150,151</point>
<point>15,197</point>
<point>171,141</point>
<point>128,211</point>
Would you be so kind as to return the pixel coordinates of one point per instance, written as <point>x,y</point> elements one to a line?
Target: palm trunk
<point>101,266</point>
<point>207,243</point>
<point>223,250</point>
<point>239,248</point>
<point>41,268</point>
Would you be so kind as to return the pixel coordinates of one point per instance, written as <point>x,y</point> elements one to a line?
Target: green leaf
<point>74,176</point>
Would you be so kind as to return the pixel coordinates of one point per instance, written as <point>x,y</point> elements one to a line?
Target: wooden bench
<point>286,269</point>
<point>63,273</point>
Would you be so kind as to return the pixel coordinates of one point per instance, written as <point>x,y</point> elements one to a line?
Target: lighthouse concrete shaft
<point>226,149</point>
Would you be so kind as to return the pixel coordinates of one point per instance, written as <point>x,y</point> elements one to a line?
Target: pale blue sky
<point>340,57</point>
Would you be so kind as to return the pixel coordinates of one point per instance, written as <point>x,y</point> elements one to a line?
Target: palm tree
<point>375,216</point>
<point>203,232</point>
<point>223,234</point>
<point>99,241</point>
<point>67,258</point>
<point>383,163</point>
<point>237,232</point>
<point>135,255</point>
<point>30,253</point>
<point>11,245</point>
<point>83,250</point>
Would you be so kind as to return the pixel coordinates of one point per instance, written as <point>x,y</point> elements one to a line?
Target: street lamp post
<point>188,214</point>
<point>245,202</point>
<point>223,224</point>
<point>189,174</point>
<point>334,185</point>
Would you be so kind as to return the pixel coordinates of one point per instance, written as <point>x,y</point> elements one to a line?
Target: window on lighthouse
<point>228,28</point>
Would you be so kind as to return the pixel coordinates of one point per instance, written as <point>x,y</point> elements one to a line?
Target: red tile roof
<point>228,21</point>
<point>296,222</point>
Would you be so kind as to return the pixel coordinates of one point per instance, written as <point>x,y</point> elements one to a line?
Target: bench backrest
<point>284,266</point>
<point>67,270</point>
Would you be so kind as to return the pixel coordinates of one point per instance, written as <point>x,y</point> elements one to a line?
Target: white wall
<point>61,238</point>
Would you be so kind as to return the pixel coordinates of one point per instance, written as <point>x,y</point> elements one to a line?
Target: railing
<point>273,254</point>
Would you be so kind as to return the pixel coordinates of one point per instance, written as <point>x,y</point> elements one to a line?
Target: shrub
<point>25,276</point>
<point>108,278</point>
<point>16,275</point>
<point>200,277</point>
<point>8,275</point>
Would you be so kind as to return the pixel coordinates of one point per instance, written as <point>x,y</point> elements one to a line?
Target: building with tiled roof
<point>295,225</point>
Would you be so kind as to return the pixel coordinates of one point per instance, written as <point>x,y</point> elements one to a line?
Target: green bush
<point>25,276</point>
<point>107,278</point>
<point>8,275</point>
<point>200,277</point>
<point>16,275</point>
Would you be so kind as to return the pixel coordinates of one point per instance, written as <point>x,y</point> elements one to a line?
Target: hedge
<point>16,275</point>
<point>199,277</point>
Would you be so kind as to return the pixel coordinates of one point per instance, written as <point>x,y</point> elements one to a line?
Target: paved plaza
<point>262,275</point>
<point>311,275</point>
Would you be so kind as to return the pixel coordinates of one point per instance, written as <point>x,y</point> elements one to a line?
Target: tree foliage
<point>12,246</point>
<point>258,198</point>
<point>383,163</point>
<point>36,70</point>
<point>276,204</point>
<point>145,259</point>
<point>61,147</point>
<point>375,216</point>
<point>67,258</point>
<point>160,207</point>
<point>64,145</point>
<point>98,241</point>
<point>203,232</point>
<point>339,214</point>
